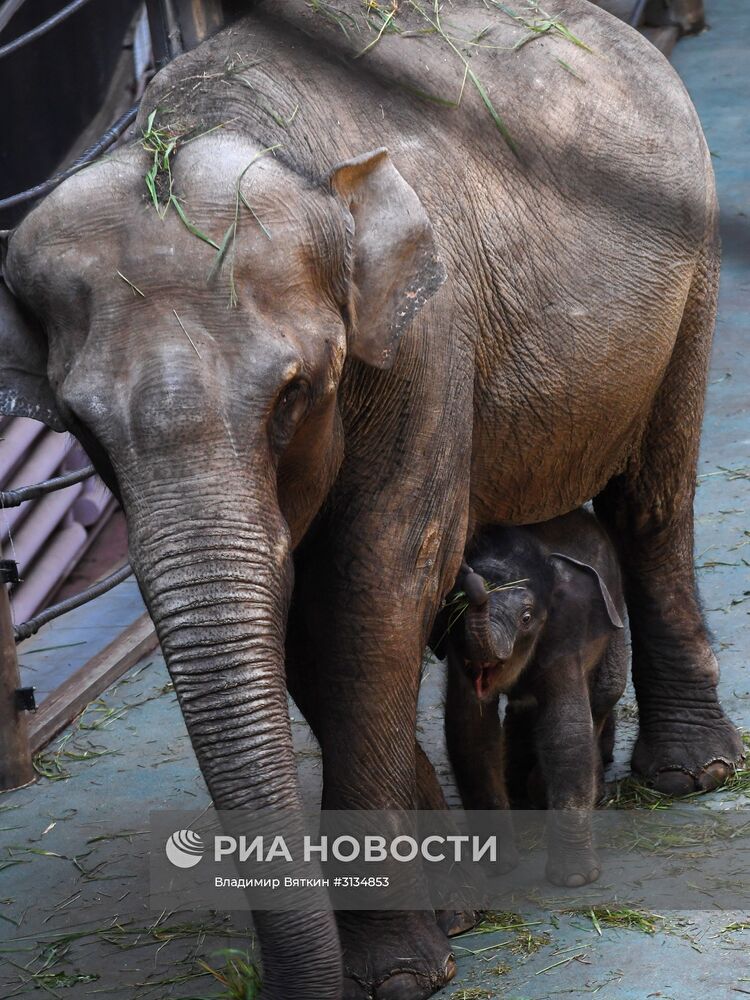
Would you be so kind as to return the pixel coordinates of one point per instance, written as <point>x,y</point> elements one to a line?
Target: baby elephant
<point>543,625</point>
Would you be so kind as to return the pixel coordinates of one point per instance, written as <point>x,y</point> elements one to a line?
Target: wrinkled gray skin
<point>350,421</point>
<point>554,644</point>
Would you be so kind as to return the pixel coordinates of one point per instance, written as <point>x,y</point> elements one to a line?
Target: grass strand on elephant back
<point>387,21</point>
<point>437,25</point>
<point>540,26</point>
<point>382,19</point>
<point>337,17</point>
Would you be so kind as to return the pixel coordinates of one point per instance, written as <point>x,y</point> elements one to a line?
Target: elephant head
<point>512,591</point>
<point>193,337</point>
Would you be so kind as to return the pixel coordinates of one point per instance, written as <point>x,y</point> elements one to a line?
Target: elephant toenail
<point>450,968</point>
<point>453,922</point>
<point>354,990</point>
<point>674,783</point>
<point>574,881</point>
<point>713,776</point>
<point>402,986</point>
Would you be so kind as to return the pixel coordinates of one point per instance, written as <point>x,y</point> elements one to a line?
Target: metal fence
<point>174,26</point>
<point>16,767</point>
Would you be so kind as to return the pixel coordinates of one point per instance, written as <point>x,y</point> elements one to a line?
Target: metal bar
<point>637,16</point>
<point>14,498</point>
<point>33,625</point>
<point>16,768</point>
<point>111,135</point>
<point>41,29</point>
<point>198,20</point>
<point>8,9</point>
<point>166,40</point>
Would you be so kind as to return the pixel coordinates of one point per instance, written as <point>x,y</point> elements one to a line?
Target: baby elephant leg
<point>473,735</point>
<point>519,755</point>
<point>569,761</point>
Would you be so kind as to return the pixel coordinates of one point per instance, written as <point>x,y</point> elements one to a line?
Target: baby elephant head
<point>508,598</point>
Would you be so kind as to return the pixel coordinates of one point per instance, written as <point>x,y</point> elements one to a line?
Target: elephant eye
<point>526,617</point>
<point>291,406</point>
<point>293,400</point>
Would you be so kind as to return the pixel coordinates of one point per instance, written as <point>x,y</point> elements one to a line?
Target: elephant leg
<point>475,747</point>
<point>474,739</point>
<point>607,735</point>
<point>685,742</point>
<point>358,687</point>
<point>303,685</point>
<point>369,939</point>
<point>569,762</point>
<point>459,915</point>
<point>429,791</point>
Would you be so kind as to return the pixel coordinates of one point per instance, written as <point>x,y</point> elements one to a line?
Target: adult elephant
<point>408,326</point>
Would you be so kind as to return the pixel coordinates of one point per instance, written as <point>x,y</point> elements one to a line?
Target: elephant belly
<point>549,437</point>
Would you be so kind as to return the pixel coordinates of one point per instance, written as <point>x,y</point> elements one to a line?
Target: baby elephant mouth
<point>485,678</point>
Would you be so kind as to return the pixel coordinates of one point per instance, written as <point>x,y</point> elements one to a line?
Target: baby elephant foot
<point>394,956</point>
<point>680,759</point>
<point>574,868</point>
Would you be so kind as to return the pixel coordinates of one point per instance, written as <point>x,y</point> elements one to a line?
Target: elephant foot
<point>573,869</point>
<point>454,922</point>
<point>394,956</point>
<point>695,758</point>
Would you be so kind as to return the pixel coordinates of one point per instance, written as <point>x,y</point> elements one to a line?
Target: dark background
<point>51,88</point>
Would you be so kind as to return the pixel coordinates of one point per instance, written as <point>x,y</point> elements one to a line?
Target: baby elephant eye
<point>526,617</point>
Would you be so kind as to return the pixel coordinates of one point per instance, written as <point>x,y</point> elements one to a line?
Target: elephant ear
<point>395,267</point>
<point>606,597</point>
<point>24,388</point>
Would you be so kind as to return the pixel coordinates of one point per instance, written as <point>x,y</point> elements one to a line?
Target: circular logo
<point>184,848</point>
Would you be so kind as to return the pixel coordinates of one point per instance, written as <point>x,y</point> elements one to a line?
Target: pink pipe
<point>41,521</point>
<point>48,452</point>
<point>17,436</point>
<point>46,573</point>
<point>75,459</point>
<point>90,505</point>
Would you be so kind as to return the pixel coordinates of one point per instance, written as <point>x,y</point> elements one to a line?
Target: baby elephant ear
<point>609,603</point>
<point>395,266</point>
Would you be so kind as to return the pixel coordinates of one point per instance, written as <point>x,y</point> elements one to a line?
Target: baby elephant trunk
<point>480,647</point>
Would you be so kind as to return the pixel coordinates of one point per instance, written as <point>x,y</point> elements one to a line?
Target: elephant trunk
<point>215,570</point>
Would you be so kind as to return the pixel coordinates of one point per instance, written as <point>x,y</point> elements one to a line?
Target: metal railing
<point>102,144</point>
<point>16,767</point>
<point>175,26</point>
<point>10,9</point>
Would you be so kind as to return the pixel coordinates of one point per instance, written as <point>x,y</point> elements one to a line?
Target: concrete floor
<point>73,866</point>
